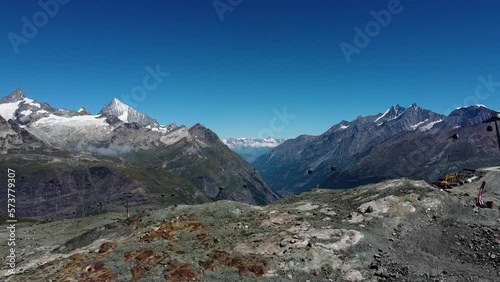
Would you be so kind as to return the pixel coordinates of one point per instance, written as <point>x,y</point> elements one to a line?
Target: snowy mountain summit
<point>126,114</point>
<point>15,96</point>
<point>116,126</point>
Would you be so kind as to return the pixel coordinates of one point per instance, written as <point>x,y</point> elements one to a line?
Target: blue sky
<point>229,75</point>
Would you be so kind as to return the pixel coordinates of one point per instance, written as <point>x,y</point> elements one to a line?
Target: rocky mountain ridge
<point>379,147</point>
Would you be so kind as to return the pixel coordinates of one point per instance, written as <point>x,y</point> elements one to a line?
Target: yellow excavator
<point>449,181</point>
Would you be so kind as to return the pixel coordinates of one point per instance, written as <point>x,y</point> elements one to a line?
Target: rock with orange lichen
<point>171,231</point>
<point>244,264</point>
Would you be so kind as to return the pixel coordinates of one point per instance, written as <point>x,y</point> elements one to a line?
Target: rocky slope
<point>399,230</point>
<point>74,164</point>
<point>15,138</point>
<point>401,142</point>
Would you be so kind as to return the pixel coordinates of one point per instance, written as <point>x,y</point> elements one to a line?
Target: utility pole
<point>128,211</point>
<point>128,196</point>
<point>495,118</point>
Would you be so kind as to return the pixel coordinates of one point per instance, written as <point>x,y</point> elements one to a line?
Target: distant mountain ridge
<point>249,148</point>
<point>376,147</point>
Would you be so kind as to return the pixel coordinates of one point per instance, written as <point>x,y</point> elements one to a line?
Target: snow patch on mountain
<point>392,113</point>
<point>472,106</point>
<point>164,128</point>
<point>396,117</point>
<point>26,112</point>
<point>176,136</point>
<point>124,116</point>
<point>8,110</point>
<point>63,131</point>
<point>76,121</point>
<point>383,115</point>
<point>430,125</point>
<point>415,126</point>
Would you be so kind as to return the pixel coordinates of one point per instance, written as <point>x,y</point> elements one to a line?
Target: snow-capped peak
<point>392,113</point>
<point>126,114</point>
<point>15,96</point>
<point>415,126</point>
<point>83,111</point>
<point>7,109</point>
<point>430,125</point>
<point>472,106</point>
<point>11,103</point>
<point>118,105</point>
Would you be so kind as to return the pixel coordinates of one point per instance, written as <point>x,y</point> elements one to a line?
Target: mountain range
<point>73,164</point>
<point>401,142</point>
<point>250,149</point>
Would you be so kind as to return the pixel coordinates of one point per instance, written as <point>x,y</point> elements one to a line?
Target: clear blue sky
<point>229,75</point>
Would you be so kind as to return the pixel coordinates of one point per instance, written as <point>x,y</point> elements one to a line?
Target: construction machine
<point>449,181</point>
